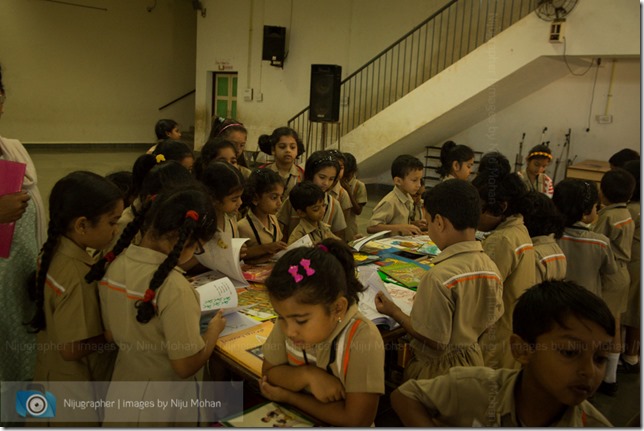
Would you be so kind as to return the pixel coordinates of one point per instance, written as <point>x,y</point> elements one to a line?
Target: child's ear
<point>255,199</point>
<point>397,181</point>
<point>80,225</point>
<point>340,306</point>
<point>521,350</point>
<point>455,165</point>
<point>300,213</point>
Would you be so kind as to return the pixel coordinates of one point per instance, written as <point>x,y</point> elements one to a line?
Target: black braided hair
<point>167,216</point>
<point>260,181</point>
<point>78,194</point>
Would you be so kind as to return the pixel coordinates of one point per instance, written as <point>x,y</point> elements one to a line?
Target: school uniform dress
<point>480,396</point>
<point>359,192</point>
<point>354,353</point>
<point>616,223</point>
<point>333,216</point>
<point>318,232</point>
<point>632,315</point>
<point>252,227</point>
<point>126,218</point>
<point>456,301</point>
<point>395,208</point>
<point>145,350</point>
<point>543,183</point>
<point>510,248</point>
<point>550,259</point>
<point>294,176</point>
<point>72,313</point>
<point>589,256</point>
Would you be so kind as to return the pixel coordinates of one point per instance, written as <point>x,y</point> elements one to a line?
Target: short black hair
<point>319,160</point>
<point>574,198</point>
<point>617,185</point>
<point>164,126</point>
<point>501,191</point>
<point>404,164</point>
<point>495,163</point>
<point>622,156</point>
<point>260,181</point>
<point>548,303</point>
<point>305,194</point>
<point>456,200</point>
<point>350,164</point>
<point>633,167</point>
<point>540,215</point>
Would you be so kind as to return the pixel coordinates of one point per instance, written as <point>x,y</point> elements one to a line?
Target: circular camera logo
<point>35,404</point>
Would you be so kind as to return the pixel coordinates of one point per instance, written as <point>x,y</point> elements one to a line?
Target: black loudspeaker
<point>325,93</point>
<point>274,44</point>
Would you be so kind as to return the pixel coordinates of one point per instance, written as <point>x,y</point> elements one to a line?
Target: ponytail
<point>450,153</point>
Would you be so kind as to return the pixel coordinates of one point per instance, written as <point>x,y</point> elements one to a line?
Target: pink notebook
<point>11,177</point>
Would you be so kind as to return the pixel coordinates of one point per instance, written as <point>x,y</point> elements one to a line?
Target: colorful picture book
<point>405,271</point>
<point>245,347</point>
<point>257,273</point>
<point>270,415</point>
<point>401,296</point>
<point>257,304</point>
<point>361,242</point>
<point>11,177</point>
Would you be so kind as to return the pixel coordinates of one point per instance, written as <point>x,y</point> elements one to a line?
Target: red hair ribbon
<point>192,214</point>
<point>149,295</point>
<point>109,257</point>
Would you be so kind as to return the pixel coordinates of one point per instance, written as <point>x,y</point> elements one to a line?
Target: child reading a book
<point>285,146</point>
<point>152,312</point>
<point>460,297</point>
<point>323,356</point>
<point>545,225</point>
<point>534,175</point>
<point>561,337</point>
<point>263,196</point>
<point>510,247</point>
<point>357,193</point>
<point>393,211</point>
<point>307,200</point>
<point>337,190</point>
<point>83,210</point>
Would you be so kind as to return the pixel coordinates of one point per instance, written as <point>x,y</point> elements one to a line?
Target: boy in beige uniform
<point>394,210</point>
<point>550,390</point>
<point>333,216</point>
<point>460,297</point>
<point>308,202</point>
<point>73,314</point>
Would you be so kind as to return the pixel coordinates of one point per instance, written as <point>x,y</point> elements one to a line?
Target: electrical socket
<point>248,94</point>
<point>259,97</point>
<point>604,119</point>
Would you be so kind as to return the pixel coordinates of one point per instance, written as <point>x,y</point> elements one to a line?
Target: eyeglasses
<point>199,250</point>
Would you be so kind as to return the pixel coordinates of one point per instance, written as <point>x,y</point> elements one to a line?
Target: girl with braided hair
<point>152,312</point>
<point>83,210</point>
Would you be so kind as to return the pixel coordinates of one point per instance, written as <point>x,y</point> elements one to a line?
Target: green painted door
<point>225,97</point>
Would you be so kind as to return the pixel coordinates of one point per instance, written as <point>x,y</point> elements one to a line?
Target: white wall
<point>82,75</point>
<point>344,32</point>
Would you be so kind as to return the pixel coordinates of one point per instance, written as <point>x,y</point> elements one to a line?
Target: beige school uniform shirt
<point>294,176</point>
<point>72,313</point>
<point>395,208</point>
<point>145,350</point>
<point>480,396</point>
<point>244,171</point>
<point>632,315</point>
<point>359,192</point>
<point>251,227</point>
<point>456,301</point>
<point>318,232</point>
<point>616,223</point>
<point>588,257</point>
<point>333,216</point>
<point>510,248</point>
<point>354,353</point>
<point>550,259</point>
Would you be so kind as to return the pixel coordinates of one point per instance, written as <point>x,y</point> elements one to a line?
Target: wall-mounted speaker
<point>325,93</point>
<point>274,44</point>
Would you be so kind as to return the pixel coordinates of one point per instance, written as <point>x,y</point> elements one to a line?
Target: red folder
<point>11,177</point>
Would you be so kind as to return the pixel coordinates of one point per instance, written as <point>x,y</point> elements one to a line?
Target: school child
<point>152,312</point>
<point>336,190</point>
<point>619,159</point>
<point>307,200</point>
<point>83,210</point>
<point>615,221</point>
<point>165,129</point>
<point>631,318</point>
<point>534,176</point>
<point>456,161</point>
<point>357,193</point>
<point>561,336</point>
<point>545,225</point>
<point>509,246</point>
<point>174,150</point>
<point>416,216</point>
<point>285,146</point>
<point>263,196</point>
<point>221,150</point>
<point>321,169</point>
<point>123,180</point>
<point>460,297</point>
<point>323,356</point>
<point>393,211</point>
<point>235,132</point>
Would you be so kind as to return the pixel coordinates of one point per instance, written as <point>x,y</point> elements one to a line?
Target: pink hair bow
<point>306,264</point>
<point>296,275</point>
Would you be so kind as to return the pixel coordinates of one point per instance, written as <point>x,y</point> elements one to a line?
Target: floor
<point>52,164</point>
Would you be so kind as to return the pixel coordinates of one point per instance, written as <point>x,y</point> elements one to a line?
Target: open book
<point>359,243</point>
<point>305,241</point>
<point>11,177</point>
<point>225,259</point>
<point>268,414</point>
<point>401,296</point>
<point>245,347</point>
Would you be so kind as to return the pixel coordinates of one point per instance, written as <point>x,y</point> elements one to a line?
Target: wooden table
<point>592,170</point>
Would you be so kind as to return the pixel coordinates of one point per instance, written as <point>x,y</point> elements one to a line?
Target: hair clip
<point>149,295</point>
<point>296,275</point>
<point>109,257</point>
<point>160,158</point>
<point>323,247</point>
<point>192,214</point>
<point>306,264</point>
<point>230,125</point>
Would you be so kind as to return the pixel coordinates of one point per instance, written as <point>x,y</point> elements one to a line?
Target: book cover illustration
<point>244,347</point>
<point>258,306</point>
<point>407,272</point>
<point>11,177</point>
<point>257,273</point>
<point>361,242</point>
<point>268,414</point>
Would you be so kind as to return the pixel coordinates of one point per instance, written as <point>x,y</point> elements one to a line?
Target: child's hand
<point>384,305</point>
<point>409,229</point>
<point>272,392</point>
<point>422,224</point>
<point>325,387</point>
<point>274,247</point>
<point>344,182</point>
<point>216,324</point>
<point>243,251</point>
<point>13,206</point>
